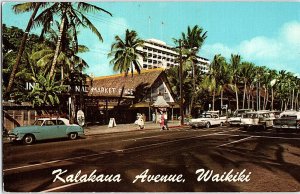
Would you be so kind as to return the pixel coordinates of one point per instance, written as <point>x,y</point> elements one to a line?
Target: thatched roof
<point>112,86</point>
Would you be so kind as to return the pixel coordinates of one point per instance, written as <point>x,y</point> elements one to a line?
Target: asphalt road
<point>124,162</point>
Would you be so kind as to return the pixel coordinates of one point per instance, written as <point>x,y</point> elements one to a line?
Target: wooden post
<point>155,115</point>
<point>172,113</point>
<point>106,111</point>
<point>149,113</point>
<point>13,118</point>
<point>29,117</point>
<point>22,117</point>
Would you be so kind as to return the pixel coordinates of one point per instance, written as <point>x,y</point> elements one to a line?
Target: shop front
<point>123,97</point>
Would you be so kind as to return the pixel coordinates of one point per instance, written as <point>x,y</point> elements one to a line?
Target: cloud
<point>259,47</point>
<point>280,52</point>
<point>291,33</point>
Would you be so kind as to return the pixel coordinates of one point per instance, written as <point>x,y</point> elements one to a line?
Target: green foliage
<point>12,37</point>
<point>46,91</point>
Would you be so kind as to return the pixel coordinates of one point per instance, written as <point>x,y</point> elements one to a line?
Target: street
<point>121,161</point>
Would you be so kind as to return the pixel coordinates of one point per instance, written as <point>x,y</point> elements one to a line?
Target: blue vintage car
<point>46,128</point>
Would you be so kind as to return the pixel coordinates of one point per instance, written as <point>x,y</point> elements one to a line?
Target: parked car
<point>207,120</point>
<point>288,120</point>
<point>235,120</point>
<point>46,128</point>
<point>257,120</point>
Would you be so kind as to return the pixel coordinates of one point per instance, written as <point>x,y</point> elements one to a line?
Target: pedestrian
<point>166,120</point>
<point>153,117</point>
<point>162,121</point>
<point>140,121</point>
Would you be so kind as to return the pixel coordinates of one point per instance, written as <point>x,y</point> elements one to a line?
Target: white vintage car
<point>207,120</point>
<point>288,120</point>
<point>237,116</point>
<point>257,120</point>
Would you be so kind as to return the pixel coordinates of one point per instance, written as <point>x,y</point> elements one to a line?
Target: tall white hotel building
<point>160,55</point>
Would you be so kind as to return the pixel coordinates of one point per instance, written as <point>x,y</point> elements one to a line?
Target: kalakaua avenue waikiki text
<point>202,175</point>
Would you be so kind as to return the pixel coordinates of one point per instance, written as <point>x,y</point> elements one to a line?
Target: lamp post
<point>180,84</point>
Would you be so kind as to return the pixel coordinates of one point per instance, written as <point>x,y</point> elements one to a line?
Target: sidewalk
<point>101,129</point>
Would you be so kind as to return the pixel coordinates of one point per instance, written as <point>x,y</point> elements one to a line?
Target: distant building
<point>160,55</point>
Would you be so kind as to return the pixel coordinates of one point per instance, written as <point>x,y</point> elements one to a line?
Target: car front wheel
<point>28,139</point>
<point>73,136</point>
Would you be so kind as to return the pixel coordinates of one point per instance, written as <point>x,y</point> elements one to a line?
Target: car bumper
<point>234,123</point>
<point>248,125</point>
<point>284,127</point>
<point>198,124</point>
<point>13,137</point>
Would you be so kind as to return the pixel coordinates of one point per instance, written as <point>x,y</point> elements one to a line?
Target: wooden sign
<point>112,123</point>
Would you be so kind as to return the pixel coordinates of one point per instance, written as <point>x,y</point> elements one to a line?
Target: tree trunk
<point>244,96</point>
<point>213,100</point>
<point>73,111</point>
<point>297,101</point>
<point>252,102</point>
<point>249,97</point>
<point>293,99</point>
<point>267,99</point>
<point>237,97</point>
<point>272,100</point>
<point>21,49</point>
<point>57,49</point>
<point>194,89</point>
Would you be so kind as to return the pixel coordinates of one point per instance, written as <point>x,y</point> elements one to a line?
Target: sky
<point>265,33</point>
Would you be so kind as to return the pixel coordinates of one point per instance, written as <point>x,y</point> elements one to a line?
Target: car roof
<point>66,121</point>
<point>258,112</point>
<point>290,112</point>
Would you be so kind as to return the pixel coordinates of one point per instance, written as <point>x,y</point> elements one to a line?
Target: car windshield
<point>239,113</point>
<point>205,116</point>
<point>38,122</point>
<point>250,116</point>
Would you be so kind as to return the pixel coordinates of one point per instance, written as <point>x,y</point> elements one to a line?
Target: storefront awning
<point>141,105</point>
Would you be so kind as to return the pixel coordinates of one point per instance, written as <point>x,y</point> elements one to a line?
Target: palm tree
<point>67,57</point>
<point>235,62</point>
<point>46,91</point>
<point>273,82</point>
<point>268,83</point>
<point>213,81</point>
<point>245,74</point>
<point>125,53</point>
<point>282,88</point>
<point>225,78</point>
<point>192,42</point>
<point>20,8</point>
<point>72,15</point>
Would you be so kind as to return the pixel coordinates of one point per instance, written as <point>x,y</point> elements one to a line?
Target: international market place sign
<point>92,90</point>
